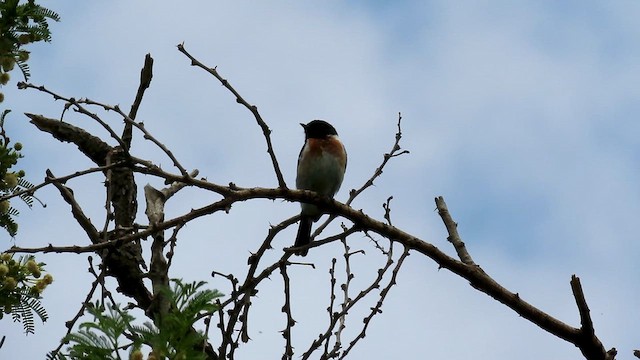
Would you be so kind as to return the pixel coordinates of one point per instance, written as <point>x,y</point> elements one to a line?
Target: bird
<point>321,166</point>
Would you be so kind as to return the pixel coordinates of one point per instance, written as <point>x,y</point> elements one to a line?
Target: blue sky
<point>523,116</point>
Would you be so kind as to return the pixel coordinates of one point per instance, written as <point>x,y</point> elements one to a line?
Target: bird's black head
<point>318,129</point>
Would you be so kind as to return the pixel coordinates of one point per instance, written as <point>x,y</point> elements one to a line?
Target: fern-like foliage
<point>21,24</point>
<point>23,311</point>
<point>173,337</point>
<point>11,182</point>
<point>98,339</point>
<point>24,68</point>
<point>26,197</point>
<point>21,286</point>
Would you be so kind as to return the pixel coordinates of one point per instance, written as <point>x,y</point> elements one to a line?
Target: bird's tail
<point>304,234</point>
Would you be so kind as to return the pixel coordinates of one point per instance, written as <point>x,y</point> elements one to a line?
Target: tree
<point>118,242</point>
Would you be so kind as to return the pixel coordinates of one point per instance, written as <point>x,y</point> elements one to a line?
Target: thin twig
<point>395,151</point>
<point>241,297</point>
<point>346,232</point>
<point>254,110</point>
<point>140,126</point>
<point>387,210</point>
<point>332,300</point>
<point>286,309</point>
<point>69,324</point>
<point>338,315</point>
<point>148,168</point>
<point>61,179</point>
<point>377,309</point>
<point>76,210</point>
<point>79,108</point>
<point>346,299</point>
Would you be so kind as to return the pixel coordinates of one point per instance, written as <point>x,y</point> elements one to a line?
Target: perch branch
<point>474,274</point>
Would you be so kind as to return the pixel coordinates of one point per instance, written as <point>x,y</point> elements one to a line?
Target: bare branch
<point>286,309</point>
<point>151,169</point>
<point>346,299</point>
<point>62,180</point>
<point>395,151</point>
<point>337,318</point>
<point>377,309</point>
<point>254,110</point>
<point>452,229</point>
<point>93,147</point>
<point>69,324</point>
<point>76,210</point>
<point>140,126</point>
<point>146,74</point>
<point>77,107</point>
<point>158,268</point>
<point>589,344</point>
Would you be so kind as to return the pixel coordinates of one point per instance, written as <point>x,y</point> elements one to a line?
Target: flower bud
<point>4,78</point>
<point>23,56</point>
<point>9,283</point>
<point>24,39</point>
<point>48,279</point>
<point>11,179</point>
<point>137,355</point>
<point>4,207</point>
<point>32,266</point>
<point>4,269</point>
<point>8,62</point>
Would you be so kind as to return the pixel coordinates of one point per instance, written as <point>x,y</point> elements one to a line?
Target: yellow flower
<point>48,279</point>
<point>32,265</point>
<point>41,285</point>
<point>3,270</point>
<point>4,78</point>
<point>4,207</point>
<point>137,355</point>
<point>10,283</point>
<point>11,179</point>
